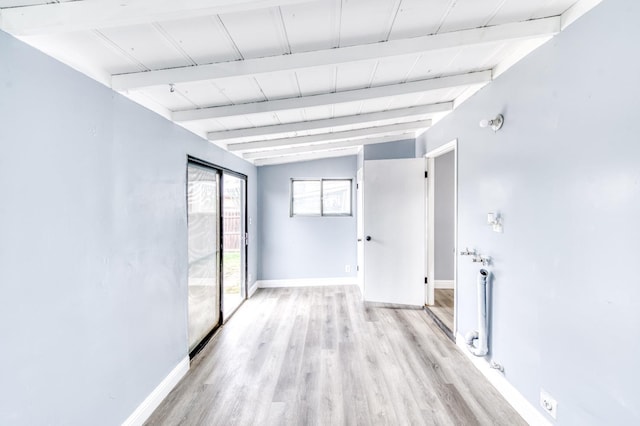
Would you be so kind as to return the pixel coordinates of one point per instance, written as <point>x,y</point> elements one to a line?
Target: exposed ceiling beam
<point>408,114</point>
<point>368,52</point>
<point>480,77</point>
<point>87,15</point>
<point>576,11</point>
<point>326,146</point>
<point>392,129</point>
<point>306,157</point>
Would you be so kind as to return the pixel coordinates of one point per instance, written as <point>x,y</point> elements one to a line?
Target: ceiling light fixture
<point>495,124</point>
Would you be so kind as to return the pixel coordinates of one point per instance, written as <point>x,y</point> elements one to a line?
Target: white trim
<point>519,403</point>
<point>576,11</point>
<point>253,288</point>
<point>443,149</point>
<point>431,156</point>
<point>308,282</point>
<point>151,402</point>
<point>444,284</point>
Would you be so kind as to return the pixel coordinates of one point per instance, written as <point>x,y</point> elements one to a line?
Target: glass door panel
<point>203,201</point>
<point>233,240</point>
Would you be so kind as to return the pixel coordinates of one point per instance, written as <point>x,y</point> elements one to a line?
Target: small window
<point>320,197</point>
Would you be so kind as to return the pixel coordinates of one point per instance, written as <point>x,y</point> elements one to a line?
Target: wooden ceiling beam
<point>406,114</point>
<point>460,80</point>
<point>391,129</point>
<point>52,18</point>
<point>330,57</point>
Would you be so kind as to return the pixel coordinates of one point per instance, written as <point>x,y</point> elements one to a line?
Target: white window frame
<point>322,213</point>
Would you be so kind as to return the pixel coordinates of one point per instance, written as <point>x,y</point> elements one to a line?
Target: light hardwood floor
<point>318,356</point>
<point>443,306</point>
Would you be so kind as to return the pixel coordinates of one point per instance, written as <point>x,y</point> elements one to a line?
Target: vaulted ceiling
<point>288,80</point>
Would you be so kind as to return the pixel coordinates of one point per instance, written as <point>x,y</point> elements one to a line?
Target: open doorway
<point>441,223</point>
<point>233,243</point>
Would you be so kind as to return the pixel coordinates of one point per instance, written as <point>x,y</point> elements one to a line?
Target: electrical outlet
<point>347,268</point>
<point>549,404</point>
<point>250,277</point>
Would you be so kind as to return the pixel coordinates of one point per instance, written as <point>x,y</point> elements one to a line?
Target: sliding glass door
<point>203,210</point>
<point>233,243</point>
<point>216,214</point>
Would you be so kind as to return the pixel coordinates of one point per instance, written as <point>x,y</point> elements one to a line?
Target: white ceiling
<point>289,80</point>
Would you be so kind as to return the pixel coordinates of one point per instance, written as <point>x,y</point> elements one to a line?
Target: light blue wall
<point>93,244</point>
<point>405,148</point>
<point>565,174</point>
<point>444,216</point>
<point>304,247</point>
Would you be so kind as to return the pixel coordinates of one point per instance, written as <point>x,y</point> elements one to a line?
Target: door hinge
<point>357,268</point>
<point>426,280</point>
<point>426,175</point>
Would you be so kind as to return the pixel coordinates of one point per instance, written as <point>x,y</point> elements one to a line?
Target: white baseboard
<point>444,284</point>
<point>253,288</point>
<point>519,403</point>
<point>151,402</point>
<point>308,282</point>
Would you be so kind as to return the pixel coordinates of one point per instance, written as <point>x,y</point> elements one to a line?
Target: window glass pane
<point>306,197</point>
<point>336,197</point>
<point>204,237</point>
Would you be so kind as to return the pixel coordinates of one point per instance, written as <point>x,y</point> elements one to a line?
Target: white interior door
<point>394,230</point>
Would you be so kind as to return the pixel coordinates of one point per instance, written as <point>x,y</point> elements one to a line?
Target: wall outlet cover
<point>549,404</point>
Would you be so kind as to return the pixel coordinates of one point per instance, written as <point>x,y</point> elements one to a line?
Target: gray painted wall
<point>405,148</point>
<point>565,173</point>
<point>304,247</point>
<point>93,246</point>
<point>444,216</point>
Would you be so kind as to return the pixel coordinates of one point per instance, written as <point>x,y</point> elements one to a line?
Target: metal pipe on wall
<point>478,340</point>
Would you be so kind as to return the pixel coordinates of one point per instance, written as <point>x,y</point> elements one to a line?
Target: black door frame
<point>220,171</point>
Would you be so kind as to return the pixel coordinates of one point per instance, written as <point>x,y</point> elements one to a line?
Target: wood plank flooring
<point>443,306</point>
<point>319,356</point>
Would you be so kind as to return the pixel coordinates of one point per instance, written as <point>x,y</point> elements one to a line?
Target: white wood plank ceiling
<point>290,80</point>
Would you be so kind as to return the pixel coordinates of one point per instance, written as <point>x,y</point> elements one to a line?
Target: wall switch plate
<point>549,404</point>
<point>250,277</point>
<point>347,268</point>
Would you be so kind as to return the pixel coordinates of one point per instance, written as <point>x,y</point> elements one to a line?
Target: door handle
<point>368,238</point>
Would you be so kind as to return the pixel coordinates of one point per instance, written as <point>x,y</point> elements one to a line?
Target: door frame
<point>431,157</point>
<point>360,229</point>
<point>191,160</point>
<point>243,239</point>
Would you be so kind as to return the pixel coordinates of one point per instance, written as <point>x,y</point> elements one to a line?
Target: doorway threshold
<point>441,325</point>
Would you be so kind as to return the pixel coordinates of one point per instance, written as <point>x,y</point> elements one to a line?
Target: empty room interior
<point>327,212</point>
